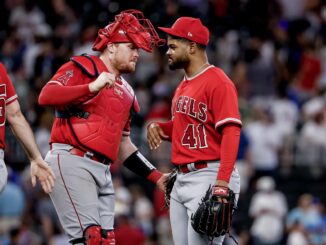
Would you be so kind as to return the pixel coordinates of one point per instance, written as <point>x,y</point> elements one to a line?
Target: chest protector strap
<point>87,64</point>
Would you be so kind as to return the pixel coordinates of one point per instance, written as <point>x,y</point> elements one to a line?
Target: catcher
<point>205,132</point>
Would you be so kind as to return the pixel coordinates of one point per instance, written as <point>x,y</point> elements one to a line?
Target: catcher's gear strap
<point>138,164</point>
<point>71,113</point>
<point>87,64</point>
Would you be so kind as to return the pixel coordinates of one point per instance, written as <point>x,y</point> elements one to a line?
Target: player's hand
<point>161,182</point>
<point>43,173</point>
<point>155,135</point>
<point>105,79</point>
<point>224,185</point>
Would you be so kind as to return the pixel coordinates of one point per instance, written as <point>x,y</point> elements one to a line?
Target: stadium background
<point>275,53</point>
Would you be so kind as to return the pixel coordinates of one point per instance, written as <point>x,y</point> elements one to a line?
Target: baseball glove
<point>168,186</point>
<point>214,214</point>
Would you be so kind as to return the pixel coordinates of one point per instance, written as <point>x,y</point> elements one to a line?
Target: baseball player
<point>10,110</point>
<point>93,105</point>
<point>204,129</point>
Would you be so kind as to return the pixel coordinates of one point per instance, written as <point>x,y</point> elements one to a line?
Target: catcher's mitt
<point>169,185</point>
<point>214,214</point>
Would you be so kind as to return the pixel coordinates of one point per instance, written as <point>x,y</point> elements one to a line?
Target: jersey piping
<point>230,119</point>
<point>198,74</point>
<point>11,99</point>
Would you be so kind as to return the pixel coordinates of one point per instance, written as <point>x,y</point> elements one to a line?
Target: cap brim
<point>170,31</point>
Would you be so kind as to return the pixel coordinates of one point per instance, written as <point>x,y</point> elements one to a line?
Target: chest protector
<point>98,123</point>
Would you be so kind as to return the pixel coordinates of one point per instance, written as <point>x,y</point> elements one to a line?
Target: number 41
<point>192,138</point>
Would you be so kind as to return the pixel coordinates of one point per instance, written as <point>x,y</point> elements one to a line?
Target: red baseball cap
<point>189,28</point>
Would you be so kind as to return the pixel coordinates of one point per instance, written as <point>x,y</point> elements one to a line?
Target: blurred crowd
<point>275,53</point>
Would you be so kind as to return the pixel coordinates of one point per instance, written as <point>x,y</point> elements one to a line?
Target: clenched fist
<point>105,79</point>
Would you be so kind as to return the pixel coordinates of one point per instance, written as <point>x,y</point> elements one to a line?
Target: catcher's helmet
<point>129,26</point>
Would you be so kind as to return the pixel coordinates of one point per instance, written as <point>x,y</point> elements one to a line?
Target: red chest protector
<point>99,122</point>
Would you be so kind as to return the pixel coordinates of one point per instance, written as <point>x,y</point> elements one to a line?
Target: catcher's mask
<point>129,26</point>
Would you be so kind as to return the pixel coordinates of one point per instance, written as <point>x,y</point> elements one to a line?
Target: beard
<point>126,68</point>
<point>179,63</point>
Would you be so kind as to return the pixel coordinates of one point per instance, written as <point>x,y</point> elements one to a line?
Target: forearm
<point>136,162</point>
<point>24,134</point>
<point>126,148</point>
<point>229,150</point>
<point>57,95</point>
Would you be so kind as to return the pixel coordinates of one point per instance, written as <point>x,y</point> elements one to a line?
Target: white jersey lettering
<point>191,107</point>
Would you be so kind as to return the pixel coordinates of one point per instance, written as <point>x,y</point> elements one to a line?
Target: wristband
<point>154,176</point>
<point>220,191</point>
<point>139,165</point>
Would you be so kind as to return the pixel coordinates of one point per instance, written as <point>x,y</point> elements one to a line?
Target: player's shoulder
<point>69,67</point>
<point>67,72</point>
<point>218,74</point>
<point>217,77</point>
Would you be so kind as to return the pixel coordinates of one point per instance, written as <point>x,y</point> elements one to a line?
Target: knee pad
<point>95,235</point>
<point>108,237</point>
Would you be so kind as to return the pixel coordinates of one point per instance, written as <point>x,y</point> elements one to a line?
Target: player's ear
<point>111,47</point>
<point>192,47</point>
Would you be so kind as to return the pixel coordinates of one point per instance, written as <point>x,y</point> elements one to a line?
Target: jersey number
<point>194,138</point>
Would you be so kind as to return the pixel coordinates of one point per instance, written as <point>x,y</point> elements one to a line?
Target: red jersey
<point>201,105</point>
<point>7,96</point>
<point>72,77</point>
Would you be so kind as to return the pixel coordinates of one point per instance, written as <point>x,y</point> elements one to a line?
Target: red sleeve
<point>54,94</point>
<point>167,128</point>
<point>229,150</point>
<point>68,86</point>
<point>224,102</point>
<point>8,90</point>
